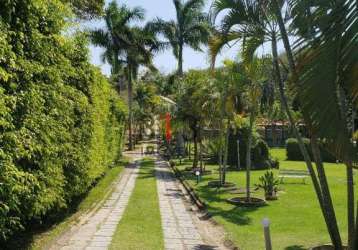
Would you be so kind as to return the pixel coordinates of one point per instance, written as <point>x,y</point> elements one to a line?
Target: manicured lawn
<point>140,227</point>
<point>296,219</point>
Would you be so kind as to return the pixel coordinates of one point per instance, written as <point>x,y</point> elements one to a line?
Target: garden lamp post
<point>266,225</point>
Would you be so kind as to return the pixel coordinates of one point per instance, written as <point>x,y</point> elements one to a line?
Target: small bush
<point>293,151</point>
<point>149,149</point>
<point>172,163</point>
<point>260,155</point>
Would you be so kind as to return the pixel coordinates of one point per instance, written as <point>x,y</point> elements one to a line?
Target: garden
<point>269,132</point>
<point>296,220</point>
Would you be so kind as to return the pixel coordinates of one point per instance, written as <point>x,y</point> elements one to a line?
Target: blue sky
<point>164,61</point>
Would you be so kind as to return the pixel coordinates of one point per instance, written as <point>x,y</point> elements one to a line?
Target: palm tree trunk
<point>350,206</point>
<point>326,195</point>
<point>330,218</point>
<point>302,147</point>
<point>130,115</point>
<point>180,60</point>
<point>221,135</point>
<point>202,165</point>
<point>355,242</point>
<point>344,109</point>
<point>284,35</point>
<point>226,151</point>
<point>195,138</point>
<point>248,157</point>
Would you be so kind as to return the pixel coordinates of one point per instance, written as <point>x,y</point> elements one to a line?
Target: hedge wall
<point>293,152</point>
<point>61,123</point>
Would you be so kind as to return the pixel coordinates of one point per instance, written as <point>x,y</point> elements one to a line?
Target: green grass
<point>296,218</point>
<point>140,227</point>
<point>38,238</point>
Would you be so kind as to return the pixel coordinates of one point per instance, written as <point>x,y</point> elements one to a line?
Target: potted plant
<point>269,184</point>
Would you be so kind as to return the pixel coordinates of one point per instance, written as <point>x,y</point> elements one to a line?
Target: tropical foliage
<point>191,28</point>
<point>61,122</point>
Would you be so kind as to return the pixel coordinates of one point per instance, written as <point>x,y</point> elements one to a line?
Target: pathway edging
<point>181,229</point>
<point>96,229</point>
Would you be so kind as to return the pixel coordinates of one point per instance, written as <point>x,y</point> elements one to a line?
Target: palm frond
<point>100,38</point>
<point>251,45</point>
<point>328,85</point>
<point>218,41</point>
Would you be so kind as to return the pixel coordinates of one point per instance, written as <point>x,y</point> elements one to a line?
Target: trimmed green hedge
<point>61,123</point>
<point>294,154</point>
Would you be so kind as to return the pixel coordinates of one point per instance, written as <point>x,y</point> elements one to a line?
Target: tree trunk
<point>355,246</point>
<point>332,227</point>
<point>350,205</point>
<point>130,115</point>
<point>248,157</point>
<point>326,195</point>
<point>180,60</point>
<point>238,155</point>
<point>189,150</point>
<point>284,35</point>
<point>221,135</point>
<point>226,151</point>
<point>200,152</point>
<point>302,147</point>
<point>195,138</point>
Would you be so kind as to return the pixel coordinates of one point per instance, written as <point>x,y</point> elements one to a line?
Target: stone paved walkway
<point>180,231</point>
<point>96,229</point>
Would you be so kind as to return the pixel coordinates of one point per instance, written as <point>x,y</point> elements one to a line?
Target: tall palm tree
<point>256,22</point>
<point>126,47</point>
<point>190,28</point>
<point>328,33</point>
<point>116,34</point>
<point>139,53</point>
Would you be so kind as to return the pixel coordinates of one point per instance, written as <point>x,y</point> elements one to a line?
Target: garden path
<point>182,229</point>
<point>96,229</point>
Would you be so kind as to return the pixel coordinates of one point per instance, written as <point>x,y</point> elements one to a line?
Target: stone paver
<point>180,231</point>
<point>98,227</point>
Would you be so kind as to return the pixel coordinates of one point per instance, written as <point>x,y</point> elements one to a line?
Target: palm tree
<point>116,34</point>
<point>228,83</point>
<point>126,47</point>
<point>255,22</point>
<point>138,53</point>
<point>333,82</point>
<point>189,29</point>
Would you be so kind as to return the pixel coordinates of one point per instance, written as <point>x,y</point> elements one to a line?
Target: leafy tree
<point>148,103</point>
<point>229,82</point>
<point>194,104</point>
<point>189,29</point>
<point>86,9</point>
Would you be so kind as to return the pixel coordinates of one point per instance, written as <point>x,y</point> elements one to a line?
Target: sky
<point>165,61</point>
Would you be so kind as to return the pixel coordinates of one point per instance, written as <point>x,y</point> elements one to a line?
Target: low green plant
<point>149,149</point>
<point>269,183</point>
<point>294,153</point>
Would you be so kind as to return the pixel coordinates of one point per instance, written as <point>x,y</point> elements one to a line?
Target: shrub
<point>61,122</point>
<point>294,153</point>
<point>211,150</point>
<point>293,150</point>
<point>259,153</point>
